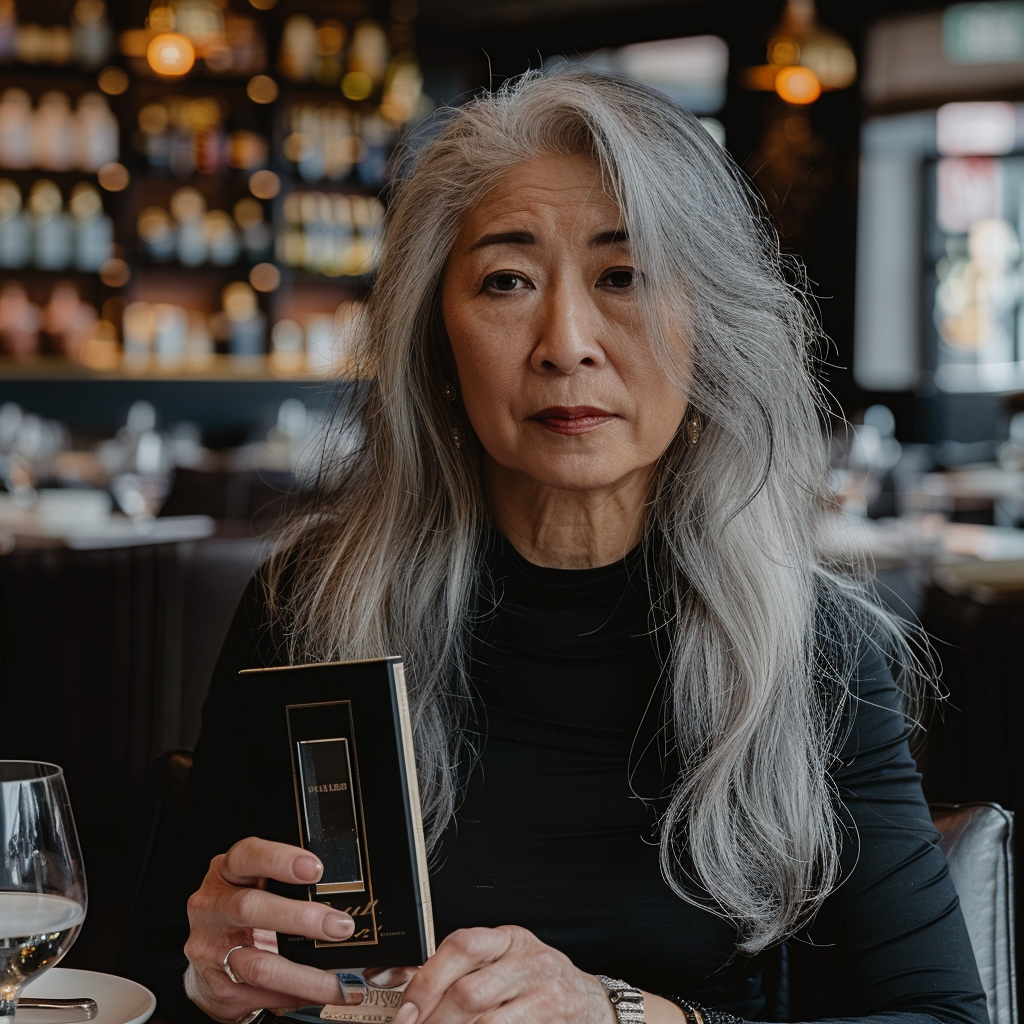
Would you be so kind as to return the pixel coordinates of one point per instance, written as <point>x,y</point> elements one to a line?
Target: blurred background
<point>189,197</point>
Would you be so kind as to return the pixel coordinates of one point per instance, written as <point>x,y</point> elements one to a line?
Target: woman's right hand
<point>230,906</point>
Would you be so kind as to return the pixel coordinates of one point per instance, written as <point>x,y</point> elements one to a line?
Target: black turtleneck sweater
<point>557,829</point>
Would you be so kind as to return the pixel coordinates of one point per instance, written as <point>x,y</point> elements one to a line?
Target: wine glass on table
<point>42,882</point>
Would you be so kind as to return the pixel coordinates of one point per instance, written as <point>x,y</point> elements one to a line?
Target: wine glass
<point>42,882</point>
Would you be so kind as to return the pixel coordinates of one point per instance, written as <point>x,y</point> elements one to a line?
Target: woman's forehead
<point>542,187</point>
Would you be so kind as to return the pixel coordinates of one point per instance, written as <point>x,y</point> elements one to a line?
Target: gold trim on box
<point>371,902</point>
<point>340,887</point>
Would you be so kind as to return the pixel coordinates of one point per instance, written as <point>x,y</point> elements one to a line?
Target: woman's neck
<point>565,529</point>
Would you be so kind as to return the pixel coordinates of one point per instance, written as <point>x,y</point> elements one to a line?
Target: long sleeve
<point>889,946</point>
<point>896,912</point>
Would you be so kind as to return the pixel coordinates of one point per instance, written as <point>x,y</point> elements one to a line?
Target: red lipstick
<point>572,419</point>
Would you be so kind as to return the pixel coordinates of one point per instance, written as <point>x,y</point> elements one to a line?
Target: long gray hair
<point>765,636</point>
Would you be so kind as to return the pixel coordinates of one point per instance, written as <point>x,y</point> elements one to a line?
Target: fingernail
<point>338,926</point>
<point>407,1014</point>
<point>307,868</point>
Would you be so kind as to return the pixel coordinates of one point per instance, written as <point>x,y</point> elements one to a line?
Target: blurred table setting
<point>123,556</point>
<point>946,548</point>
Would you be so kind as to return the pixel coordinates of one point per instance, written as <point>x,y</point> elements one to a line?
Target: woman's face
<point>555,370</point>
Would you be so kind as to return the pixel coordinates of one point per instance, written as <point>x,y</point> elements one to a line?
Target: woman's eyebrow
<point>503,238</point>
<point>617,236</point>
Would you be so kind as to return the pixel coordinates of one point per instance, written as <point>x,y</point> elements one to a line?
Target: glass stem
<point>8,1002</point>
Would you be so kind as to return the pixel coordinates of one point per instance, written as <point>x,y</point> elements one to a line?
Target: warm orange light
<point>171,54</point>
<point>115,273</point>
<point>265,277</point>
<point>261,89</point>
<point>113,177</point>
<point>113,81</point>
<point>797,85</point>
<point>264,184</point>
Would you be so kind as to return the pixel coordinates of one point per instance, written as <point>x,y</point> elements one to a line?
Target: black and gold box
<point>334,764</point>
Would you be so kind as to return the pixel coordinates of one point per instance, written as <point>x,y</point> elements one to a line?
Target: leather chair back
<point>977,839</point>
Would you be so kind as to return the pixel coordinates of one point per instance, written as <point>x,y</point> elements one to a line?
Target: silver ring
<point>226,963</point>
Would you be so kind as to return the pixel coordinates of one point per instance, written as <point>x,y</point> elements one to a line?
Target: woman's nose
<point>568,336</point>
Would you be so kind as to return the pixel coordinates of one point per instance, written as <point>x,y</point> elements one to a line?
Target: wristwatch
<point>628,1002</point>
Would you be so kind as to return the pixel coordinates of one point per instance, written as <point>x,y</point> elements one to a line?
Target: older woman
<point>656,733</point>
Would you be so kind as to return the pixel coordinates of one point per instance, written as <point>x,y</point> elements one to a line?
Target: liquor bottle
<point>19,321</point>
<point>298,48</point>
<point>247,323</point>
<point>93,229</point>
<point>8,31</point>
<point>257,234</point>
<point>67,320</point>
<point>157,233</point>
<point>92,38</point>
<point>15,229</point>
<point>221,238</point>
<point>16,129</point>
<point>170,333</point>
<point>53,133</point>
<point>97,138</point>
<point>188,207</point>
<point>51,226</point>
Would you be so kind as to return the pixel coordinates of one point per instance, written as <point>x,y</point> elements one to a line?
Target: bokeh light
<point>113,177</point>
<point>113,81</point>
<point>356,85</point>
<point>171,54</point>
<point>797,85</point>
<point>264,184</point>
<point>115,273</point>
<point>265,277</point>
<point>261,89</point>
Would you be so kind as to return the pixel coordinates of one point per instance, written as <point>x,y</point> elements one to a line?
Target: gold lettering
<point>361,911</point>
<point>328,787</point>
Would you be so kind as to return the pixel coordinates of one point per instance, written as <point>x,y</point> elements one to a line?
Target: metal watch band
<point>628,1002</point>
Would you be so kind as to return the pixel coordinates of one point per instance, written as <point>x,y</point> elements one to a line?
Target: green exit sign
<point>987,33</point>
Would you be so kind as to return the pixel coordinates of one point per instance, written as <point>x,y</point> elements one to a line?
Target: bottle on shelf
<point>187,135</point>
<point>327,234</point>
<point>188,207</point>
<point>257,234</point>
<point>8,31</point>
<point>193,236</point>
<point>67,320</point>
<point>298,48</point>
<point>93,229</point>
<point>15,228</point>
<point>16,129</point>
<point>52,233</point>
<point>53,137</point>
<point>287,346</point>
<point>20,320</point>
<point>92,38</point>
<point>246,323</point>
<point>98,135</point>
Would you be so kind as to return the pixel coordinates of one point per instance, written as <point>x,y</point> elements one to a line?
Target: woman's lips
<point>572,419</point>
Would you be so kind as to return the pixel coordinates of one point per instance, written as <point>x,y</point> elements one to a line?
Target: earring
<point>692,428</point>
<point>457,436</point>
<point>448,389</point>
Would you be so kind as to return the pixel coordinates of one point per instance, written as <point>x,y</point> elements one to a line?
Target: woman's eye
<point>505,281</point>
<point>620,277</point>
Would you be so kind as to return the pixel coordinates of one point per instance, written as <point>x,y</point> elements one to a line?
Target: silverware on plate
<point>74,1009</point>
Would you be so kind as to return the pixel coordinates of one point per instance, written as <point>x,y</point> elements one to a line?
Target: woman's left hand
<point>502,975</point>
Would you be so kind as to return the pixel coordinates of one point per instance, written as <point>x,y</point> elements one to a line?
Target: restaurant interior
<point>190,195</point>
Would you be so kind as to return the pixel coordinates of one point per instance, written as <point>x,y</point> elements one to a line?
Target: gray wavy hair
<point>765,636</point>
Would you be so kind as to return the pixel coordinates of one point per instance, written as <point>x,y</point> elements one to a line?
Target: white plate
<point>119,1000</point>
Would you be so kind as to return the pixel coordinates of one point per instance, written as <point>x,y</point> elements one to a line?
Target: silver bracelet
<point>628,1002</point>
